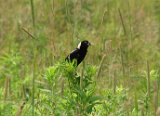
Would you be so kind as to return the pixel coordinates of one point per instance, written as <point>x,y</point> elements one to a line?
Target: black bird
<point>79,53</point>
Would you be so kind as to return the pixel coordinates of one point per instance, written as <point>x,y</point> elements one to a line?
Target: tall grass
<point>124,35</point>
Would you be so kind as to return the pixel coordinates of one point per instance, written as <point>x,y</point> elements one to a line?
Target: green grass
<point>122,65</point>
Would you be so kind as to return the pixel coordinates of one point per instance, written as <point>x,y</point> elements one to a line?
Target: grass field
<point>120,75</point>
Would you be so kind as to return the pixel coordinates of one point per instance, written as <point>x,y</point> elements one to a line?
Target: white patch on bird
<point>79,45</point>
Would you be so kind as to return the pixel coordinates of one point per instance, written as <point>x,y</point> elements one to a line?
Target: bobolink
<point>79,53</point>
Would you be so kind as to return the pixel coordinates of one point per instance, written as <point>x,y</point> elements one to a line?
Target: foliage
<point>78,97</point>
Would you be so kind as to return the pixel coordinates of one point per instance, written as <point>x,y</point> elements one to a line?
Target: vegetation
<point>121,72</point>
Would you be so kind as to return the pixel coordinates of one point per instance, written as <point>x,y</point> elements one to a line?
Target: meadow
<point>120,75</point>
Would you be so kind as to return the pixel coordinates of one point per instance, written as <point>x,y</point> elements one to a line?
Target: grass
<point>122,65</point>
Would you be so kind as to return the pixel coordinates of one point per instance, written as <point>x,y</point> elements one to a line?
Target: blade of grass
<point>122,21</point>
<point>114,83</point>
<point>155,97</point>
<point>33,81</point>
<point>122,61</point>
<point>33,37</point>
<point>148,79</point>
<point>33,14</point>
<point>100,66</point>
<point>6,86</point>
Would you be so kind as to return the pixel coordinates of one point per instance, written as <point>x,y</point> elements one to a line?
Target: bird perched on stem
<point>79,53</point>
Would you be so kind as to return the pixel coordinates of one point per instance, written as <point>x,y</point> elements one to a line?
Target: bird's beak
<point>89,44</point>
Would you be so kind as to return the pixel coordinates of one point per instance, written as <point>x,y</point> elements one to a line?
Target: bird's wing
<point>73,55</point>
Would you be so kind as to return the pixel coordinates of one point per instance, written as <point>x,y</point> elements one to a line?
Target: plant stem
<point>33,82</point>
<point>148,79</point>
<point>33,14</point>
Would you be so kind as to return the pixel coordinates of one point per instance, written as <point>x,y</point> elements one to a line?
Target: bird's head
<point>84,44</point>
